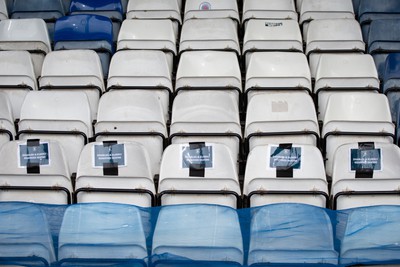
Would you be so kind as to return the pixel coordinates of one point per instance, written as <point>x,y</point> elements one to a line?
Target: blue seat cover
<point>96,5</point>
<point>84,28</point>
<point>384,36</point>
<point>372,9</point>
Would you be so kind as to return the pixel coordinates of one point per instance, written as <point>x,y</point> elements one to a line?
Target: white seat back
<point>111,166</point>
<point>198,172</point>
<point>369,167</point>
<point>154,9</point>
<point>58,115</point>
<point>270,9</point>
<point>7,129</point>
<point>211,9</point>
<point>39,166</point>
<point>295,172</point>
<point>3,10</point>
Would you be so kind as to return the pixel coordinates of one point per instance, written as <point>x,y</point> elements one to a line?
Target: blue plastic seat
<point>110,8</point>
<point>86,32</point>
<point>25,238</point>
<point>102,234</point>
<point>356,6</point>
<point>370,10</point>
<point>391,83</point>
<point>383,39</point>
<point>48,10</point>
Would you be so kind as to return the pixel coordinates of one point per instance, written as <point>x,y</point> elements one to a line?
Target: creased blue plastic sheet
<point>106,234</point>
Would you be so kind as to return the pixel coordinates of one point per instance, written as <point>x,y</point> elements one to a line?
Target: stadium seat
<point>25,238</point>
<point>209,70</point>
<point>324,9</point>
<point>383,39</point>
<point>365,174</point>
<point>209,34</point>
<point>133,116</point>
<point>74,70</point>
<point>211,9</point>
<point>200,235</point>
<point>291,235</point>
<point>270,10</point>
<point>356,7</point>
<point>370,237</point>
<point>391,83</point>
<point>332,36</point>
<point>7,129</point>
<point>86,32</point>
<point>102,234</point>
<point>207,116</point>
<point>285,173</point>
<point>148,70</point>
<point>370,10</point>
<point>156,9</point>
<point>28,35</point>
<point>57,115</point>
<point>138,34</point>
<point>345,73</point>
<point>277,117</point>
<point>356,117</point>
<point>48,10</point>
<point>112,171</point>
<point>17,78</point>
<point>277,71</point>
<point>35,171</point>
<point>271,35</point>
<point>199,172</point>
<point>3,10</point>
<point>110,8</point>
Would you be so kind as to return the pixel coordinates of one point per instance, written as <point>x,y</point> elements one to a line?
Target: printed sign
<point>37,155</point>
<point>370,159</point>
<point>281,157</point>
<point>273,24</point>
<point>114,153</point>
<point>200,156</point>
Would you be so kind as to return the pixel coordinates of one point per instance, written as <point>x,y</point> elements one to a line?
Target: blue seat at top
<point>110,8</point>
<point>25,238</point>
<point>391,83</point>
<point>86,32</point>
<point>356,5</point>
<point>383,39</point>
<point>48,10</point>
<point>370,10</point>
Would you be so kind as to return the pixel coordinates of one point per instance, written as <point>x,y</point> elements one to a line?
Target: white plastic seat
<point>356,117</point>
<point>137,34</point>
<point>291,234</point>
<point>26,34</point>
<point>332,36</point>
<point>324,9</point>
<point>209,70</point>
<point>207,116</point>
<point>58,115</point>
<point>365,174</point>
<point>276,118</point>
<point>25,236</point>
<point>269,9</point>
<point>3,10</point>
<point>17,77</point>
<point>7,129</point>
<point>201,235</point>
<point>344,73</point>
<point>155,9</point>
<point>35,171</point>
<point>370,237</point>
<point>142,70</point>
<point>74,70</point>
<point>198,172</point>
<point>133,116</point>
<point>289,172</point>
<point>272,35</point>
<point>102,234</point>
<point>209,34</point>
<point>115,172</point>
<point>277,71</point>
<point>211,9</point>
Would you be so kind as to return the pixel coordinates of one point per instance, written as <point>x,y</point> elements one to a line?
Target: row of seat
<point>196,235</point>
<point>364,174</point>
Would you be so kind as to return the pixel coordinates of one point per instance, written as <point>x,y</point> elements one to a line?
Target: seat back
<point>271,9</point>
<point>7,129</point>
<point>213,9</point>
